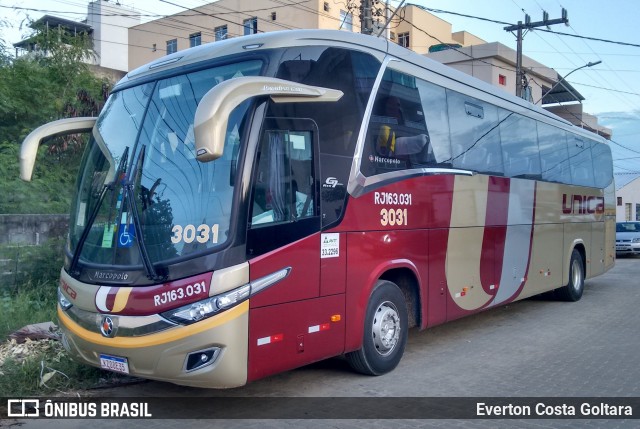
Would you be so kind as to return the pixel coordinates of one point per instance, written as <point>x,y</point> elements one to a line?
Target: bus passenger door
<point>289,324</point>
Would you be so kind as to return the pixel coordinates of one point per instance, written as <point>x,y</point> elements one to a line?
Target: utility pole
<point>366,20</point>
<point>528,25</point>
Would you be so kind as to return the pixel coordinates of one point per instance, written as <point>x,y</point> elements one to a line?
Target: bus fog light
<point>201,358</point>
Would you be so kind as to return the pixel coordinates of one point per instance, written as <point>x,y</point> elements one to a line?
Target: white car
<point>627,238</point>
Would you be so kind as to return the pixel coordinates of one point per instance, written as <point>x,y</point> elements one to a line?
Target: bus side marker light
<point>492,287</point>
<point>318,328</point>
<point>336,318</point>
<point>271,339</point>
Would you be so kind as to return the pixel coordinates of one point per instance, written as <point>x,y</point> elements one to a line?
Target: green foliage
<point>31,303</point>
<point>50,83</point>
<point>51,188</point>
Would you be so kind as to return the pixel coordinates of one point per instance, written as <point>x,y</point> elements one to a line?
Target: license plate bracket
<point>114,363</point>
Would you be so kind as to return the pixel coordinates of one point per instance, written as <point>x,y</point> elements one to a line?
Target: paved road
<point>536,348</point>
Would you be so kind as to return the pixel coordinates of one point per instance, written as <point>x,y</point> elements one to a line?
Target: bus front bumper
<point>172,354</point>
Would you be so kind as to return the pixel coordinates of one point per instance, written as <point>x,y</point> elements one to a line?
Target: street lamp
<point>589,64</point>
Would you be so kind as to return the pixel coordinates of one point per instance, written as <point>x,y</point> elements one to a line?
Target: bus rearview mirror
<point>212,113</point>
<point>29,148</point>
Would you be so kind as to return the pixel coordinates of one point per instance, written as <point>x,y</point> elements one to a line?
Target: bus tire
<point>572,292</point>
<point>385,331</point>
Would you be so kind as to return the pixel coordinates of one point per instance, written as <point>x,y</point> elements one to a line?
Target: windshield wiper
<point>85,233</point>
<point>129,185</point>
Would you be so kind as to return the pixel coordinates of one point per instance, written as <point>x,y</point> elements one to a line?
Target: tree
<point>50,83</point>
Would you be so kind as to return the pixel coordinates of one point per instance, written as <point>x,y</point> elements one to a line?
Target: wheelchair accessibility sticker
<point>126,235</point>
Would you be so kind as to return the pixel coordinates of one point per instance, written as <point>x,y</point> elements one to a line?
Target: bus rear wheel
<point>385,331</point>
<point>573,290</point>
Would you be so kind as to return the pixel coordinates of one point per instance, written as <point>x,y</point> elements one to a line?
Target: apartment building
<point>234,18</point>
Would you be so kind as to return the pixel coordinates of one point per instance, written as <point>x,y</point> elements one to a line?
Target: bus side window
<point>603,165</point>
<point>580,161</point>
<point>554,154</point>
<point>475,135</point>
<point>519,146</point>
<point>397,132</point>
<point>434,109</point>
<point>284,187</point>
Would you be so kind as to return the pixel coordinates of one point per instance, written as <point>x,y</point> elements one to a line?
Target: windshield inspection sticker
<point>107,235</point>
<point>330,245</point>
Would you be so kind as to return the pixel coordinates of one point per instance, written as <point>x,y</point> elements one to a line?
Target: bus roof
<point>371,44</point>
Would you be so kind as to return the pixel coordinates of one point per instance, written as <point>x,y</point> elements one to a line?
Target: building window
<point>627,211</point>
<point>326,7</point>
<point>250,26</point>
<point>502,80</point>
<point>195,39</point>
<point>620,201</point>
<point>172,46</point>
<point>637,212</point>
<point>153,48</point>
<point>346,21</point>
<point>392,35</point>
<point>220,32</point>
<point>403,40</point>
<point>273,16</point>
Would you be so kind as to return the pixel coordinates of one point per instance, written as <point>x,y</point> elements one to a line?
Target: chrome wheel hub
<point>386,328</point>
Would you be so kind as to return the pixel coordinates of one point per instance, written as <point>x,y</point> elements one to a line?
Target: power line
<point>537,29</point>
<point>607,89</point>
<point>635,45</point>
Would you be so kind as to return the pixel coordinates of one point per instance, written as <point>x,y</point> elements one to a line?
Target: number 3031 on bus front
<point>190,233</point>
<point>393,217</point>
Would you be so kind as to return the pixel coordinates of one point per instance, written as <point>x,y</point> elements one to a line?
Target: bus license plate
<point>114,363</point>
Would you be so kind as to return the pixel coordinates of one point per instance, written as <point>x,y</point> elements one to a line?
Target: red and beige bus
<point>256,204</point>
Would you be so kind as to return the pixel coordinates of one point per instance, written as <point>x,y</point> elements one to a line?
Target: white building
<point>628,200</point>
<point>108,26</point>
<point>111,22</point>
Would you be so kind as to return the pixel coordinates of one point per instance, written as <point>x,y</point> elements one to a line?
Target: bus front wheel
<point>573,290</point>
<point>385,331</point>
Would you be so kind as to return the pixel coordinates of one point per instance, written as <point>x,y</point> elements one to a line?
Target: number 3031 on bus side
<point>393,216</point>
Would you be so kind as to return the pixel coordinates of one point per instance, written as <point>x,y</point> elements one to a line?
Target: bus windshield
<point>140,182</point>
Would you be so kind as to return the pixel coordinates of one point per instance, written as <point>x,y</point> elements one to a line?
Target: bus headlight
<point>197,311</point>
<point>63,301</point>
<point>635,240</point>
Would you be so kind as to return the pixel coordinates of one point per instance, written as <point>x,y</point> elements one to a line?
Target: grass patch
<point>47,369</point>
<point>30,304</point>
<point>40,367</point>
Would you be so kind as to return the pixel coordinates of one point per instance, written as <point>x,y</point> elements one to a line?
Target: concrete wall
<point>32,229</point>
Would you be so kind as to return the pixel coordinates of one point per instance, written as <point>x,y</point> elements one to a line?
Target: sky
<point>611,89</point>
